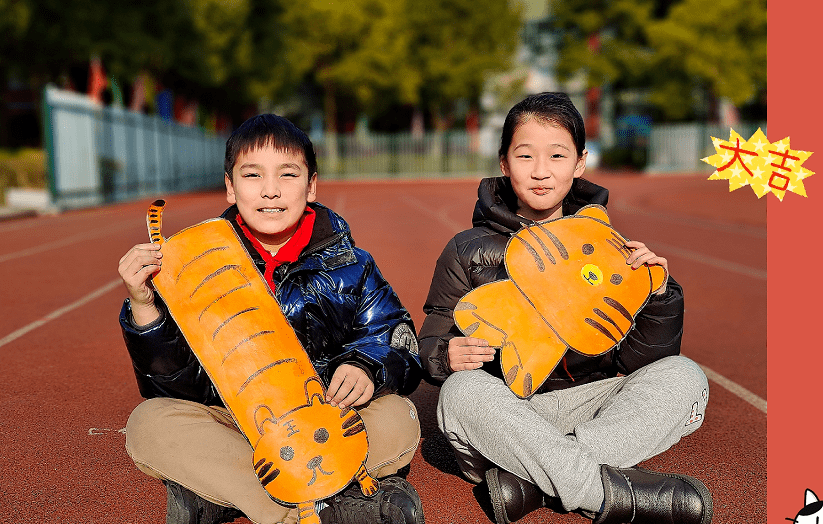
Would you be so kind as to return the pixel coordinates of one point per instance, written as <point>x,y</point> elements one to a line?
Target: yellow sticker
<point>592,274</point>
<point>767,167</point>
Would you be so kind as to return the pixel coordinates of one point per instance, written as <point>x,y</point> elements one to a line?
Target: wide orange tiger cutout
<point>569,287</point>
<point>304,449</point>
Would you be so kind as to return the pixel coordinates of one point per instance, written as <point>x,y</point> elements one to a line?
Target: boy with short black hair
<point>575,442</point>
<point>358,336</point>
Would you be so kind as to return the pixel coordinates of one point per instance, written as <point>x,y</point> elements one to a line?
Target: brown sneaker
<point>396,502</point>
<point>186,507</point>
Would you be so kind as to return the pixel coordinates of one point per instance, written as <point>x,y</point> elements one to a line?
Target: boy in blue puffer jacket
<point>347,317</point>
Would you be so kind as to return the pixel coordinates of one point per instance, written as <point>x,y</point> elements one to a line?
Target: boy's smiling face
<point>271,188</point>
<point>541,162</point>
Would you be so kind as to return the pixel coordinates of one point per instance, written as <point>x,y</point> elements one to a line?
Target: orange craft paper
<point>304,449</point>
<point>569,287</point>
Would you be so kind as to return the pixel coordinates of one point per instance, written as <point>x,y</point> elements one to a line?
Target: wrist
<point>143,314</point>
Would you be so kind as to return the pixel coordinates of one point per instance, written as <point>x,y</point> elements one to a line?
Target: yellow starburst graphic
<point>766,167</point>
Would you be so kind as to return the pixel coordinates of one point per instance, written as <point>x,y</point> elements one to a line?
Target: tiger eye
<point>588,249</point>
<point>286,453</point>
<point>616,279</point>
<point>321,435</point>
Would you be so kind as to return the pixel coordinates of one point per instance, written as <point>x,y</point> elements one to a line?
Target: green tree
<point>457,43</point>
<point>670,48</point>
<point>359,49</point>
<point>14,18</point>
<point>355,48</point>
<point>719,46</point>
<point>225,54</point>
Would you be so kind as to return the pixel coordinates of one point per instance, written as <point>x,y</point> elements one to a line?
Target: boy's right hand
<point>469,353</point>
<point>136,268</point>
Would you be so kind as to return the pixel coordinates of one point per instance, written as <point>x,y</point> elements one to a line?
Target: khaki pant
<point>200,448</point>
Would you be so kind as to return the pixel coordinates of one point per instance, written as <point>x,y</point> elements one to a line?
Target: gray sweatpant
<point>558,440</point>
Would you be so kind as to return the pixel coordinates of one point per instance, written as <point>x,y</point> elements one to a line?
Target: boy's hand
<point>643,255</point>
<point>469,353</point>
<point>136,268</point>
<point>349,386</point>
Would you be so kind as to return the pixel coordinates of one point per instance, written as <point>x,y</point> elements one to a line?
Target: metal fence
<point>401,155</point>
<point>679,148</point>
<point>106,154</point>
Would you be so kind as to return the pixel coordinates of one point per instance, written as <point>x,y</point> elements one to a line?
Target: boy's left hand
<point>643,255</point>
<point>349,386</point>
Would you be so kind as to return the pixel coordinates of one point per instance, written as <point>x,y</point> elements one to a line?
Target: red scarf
<point>290,251</point>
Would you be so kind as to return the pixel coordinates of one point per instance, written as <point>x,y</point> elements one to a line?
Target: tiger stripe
<point>196,258</point>
<point>608,319</point>
<point>600,327</point>
<point>224,295</point>
<point>263,370</point>
<point>218,272</point>
<point>543,246</point>
<point>619,307</point>
<point>232,317</point>
<point>564,253</point>
<point>541,266</point>
<point>154,221</point>
<point>248,339</point>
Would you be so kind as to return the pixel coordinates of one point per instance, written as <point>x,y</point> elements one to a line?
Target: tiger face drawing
<point>569,287</point>
<point>294,450</point>
<point>304,449</point>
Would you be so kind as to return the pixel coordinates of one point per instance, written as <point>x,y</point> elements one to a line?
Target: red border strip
<point>795,359</point>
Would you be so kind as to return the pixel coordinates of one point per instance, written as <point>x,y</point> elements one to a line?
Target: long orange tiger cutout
<point>304,449</point>
<point>569,287</point>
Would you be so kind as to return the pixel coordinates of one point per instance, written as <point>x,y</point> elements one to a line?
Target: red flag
<point>97,80</point>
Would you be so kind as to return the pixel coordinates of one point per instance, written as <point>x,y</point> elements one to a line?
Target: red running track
<point>68,387</point>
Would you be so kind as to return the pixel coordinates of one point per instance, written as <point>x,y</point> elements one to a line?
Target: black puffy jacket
<point>475,257</point>
<point>334,297</point>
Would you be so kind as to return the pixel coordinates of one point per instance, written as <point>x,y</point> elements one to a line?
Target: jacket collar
<point>496,203</point>
<point>330,245</point>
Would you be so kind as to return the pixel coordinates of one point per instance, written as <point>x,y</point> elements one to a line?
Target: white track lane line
<point>712,375</point>
<point>735,388</point>
<point>112,228</point>
<point>703,223</point>
<point>59,312</point>
<point>725,265</point>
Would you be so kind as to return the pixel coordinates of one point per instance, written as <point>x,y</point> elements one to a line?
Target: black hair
<point>269,130</point>
<point>547,108</point>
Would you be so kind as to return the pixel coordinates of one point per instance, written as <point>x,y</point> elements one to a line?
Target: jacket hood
<point>496,203</point>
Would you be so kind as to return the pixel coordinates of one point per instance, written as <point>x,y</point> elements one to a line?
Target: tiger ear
<point>595,211</point>
<point>262,415</point>
<point>315,390</point>
<point>659,277</point>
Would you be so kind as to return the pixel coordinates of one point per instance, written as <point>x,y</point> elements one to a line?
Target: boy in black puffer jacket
<point>358,336</point>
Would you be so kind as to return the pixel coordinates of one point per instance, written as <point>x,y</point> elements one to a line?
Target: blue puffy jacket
<point>335,298</point>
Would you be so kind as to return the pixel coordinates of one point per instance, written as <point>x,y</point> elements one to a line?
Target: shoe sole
<point>498,506</point>
<point>702,490</point>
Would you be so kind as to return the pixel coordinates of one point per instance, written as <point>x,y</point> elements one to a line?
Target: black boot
<point>396,502</point>
<point>641,496</point>
<point>512,497</point>
<point>185,507</point>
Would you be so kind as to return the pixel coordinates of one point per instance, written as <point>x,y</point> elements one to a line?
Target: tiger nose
<point>313,463</point>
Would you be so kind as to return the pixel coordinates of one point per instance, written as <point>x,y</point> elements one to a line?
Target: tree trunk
<point>330,109</point>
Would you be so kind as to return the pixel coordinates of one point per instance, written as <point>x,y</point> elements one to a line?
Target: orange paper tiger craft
<point>304,449</point>
<point>569,287</point>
